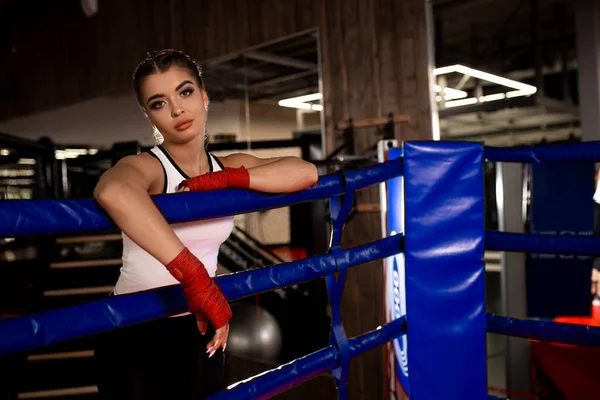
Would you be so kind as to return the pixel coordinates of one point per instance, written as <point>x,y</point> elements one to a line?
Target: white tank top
<point>140,270</point>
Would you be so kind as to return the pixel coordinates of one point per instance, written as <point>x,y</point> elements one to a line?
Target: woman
<point>179,357</point>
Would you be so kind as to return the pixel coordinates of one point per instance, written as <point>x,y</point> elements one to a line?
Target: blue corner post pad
<point>444,270</point>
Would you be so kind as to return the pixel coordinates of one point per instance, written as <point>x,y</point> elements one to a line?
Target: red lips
<point>184,124</point>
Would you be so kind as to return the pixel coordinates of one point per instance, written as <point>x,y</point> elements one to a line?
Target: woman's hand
<point>224,179</point>
<point>275,175</point>
<point>218,341</point>
<point>267,175</point>
<point>203,295</point>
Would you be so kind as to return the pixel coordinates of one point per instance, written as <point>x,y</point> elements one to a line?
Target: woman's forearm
<point>286,175</point>
<point>134,212</point>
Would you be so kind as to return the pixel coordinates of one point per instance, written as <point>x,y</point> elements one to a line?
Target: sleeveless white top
<point>140,270</point>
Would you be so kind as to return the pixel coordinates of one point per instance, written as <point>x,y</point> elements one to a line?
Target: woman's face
<point>175,104</point>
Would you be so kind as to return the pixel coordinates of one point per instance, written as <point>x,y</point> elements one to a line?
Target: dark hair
<point>160,61</point>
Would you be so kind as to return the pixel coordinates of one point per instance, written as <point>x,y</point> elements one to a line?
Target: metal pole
<point>509,198</point>
<point>588,58</point>
<point>537,45</point>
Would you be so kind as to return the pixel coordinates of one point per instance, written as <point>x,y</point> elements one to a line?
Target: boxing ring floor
<point>436,244</point>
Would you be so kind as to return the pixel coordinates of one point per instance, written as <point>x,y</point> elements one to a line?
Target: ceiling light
<point>492,97</point>
<point>74,153</point>
<point>302,99</point>
<point>521,89</point>
<point>450,93</point>
<point>462,102</point>
<point>302,106</point>
<point>525,88</point>
<point>300,102</point>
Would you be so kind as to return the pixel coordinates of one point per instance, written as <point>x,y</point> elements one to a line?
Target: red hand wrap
<point>226,178</point>
<point>203,295</point>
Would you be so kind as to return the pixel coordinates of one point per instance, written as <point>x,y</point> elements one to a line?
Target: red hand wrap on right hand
<point>203,295</point>
<point>226,178</point>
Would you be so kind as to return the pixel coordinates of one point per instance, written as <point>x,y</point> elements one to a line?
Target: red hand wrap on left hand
<point>203,295</point>
<point>227,178</point>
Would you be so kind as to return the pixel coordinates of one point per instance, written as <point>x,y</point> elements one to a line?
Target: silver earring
<point>158,137</point>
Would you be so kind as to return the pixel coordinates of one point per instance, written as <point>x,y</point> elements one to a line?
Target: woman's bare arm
<point>123,191</point>
<point>275,175</point>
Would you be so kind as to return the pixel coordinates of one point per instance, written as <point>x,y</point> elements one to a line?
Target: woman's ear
<point>205,99</point>
<point>143,110</point>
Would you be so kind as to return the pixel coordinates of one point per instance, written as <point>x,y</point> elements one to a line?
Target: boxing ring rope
<point>443,248</point>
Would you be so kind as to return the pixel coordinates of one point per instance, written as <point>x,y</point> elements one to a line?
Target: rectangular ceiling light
<point>519,88</point>
<point>300,102</point>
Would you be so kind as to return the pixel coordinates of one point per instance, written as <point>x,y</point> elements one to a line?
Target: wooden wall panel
<point>412,95</point>
<point>372,65</point>
<point>64,57</point>
<point>374,61</point>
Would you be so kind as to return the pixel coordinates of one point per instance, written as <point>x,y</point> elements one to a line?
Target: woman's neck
<point>190,157</point>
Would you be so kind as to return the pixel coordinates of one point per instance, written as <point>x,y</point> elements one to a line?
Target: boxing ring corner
<point>437,201</point>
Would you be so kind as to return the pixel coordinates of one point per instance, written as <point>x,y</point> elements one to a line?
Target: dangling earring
<point>158,137</point>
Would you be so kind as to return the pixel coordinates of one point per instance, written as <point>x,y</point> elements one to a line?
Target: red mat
<point>561,371</point>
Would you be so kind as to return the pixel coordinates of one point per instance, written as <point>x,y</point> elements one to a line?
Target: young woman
<point>179,357</point>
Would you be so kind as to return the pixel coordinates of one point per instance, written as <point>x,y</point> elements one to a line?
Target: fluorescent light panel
<point>453,97</point>
<point>300,102</point>
<point>522,89</point>
<point>475,73</point>
<point>73,153</point>
<point>451,94</point>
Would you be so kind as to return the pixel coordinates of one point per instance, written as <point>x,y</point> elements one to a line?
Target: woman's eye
<point>186,92</point>
<point>156,105</point>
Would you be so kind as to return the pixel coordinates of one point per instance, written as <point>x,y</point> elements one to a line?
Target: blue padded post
<point>444,224</point>
<point>340,208</point>
<point>395,276</point>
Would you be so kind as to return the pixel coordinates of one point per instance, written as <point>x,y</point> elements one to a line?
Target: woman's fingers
<point>218,341</point>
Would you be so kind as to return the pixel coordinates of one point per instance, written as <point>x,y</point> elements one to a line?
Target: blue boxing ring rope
<point>443,243</point>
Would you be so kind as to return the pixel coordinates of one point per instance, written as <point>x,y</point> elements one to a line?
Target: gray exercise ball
<point>253,333</point>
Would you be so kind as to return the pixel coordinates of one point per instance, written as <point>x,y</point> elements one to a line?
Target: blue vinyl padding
<point>302,369</point>
<point>578,152</point>
<point>36,217</point>
<point>42,329</point>
<point>446,162</point>
<point>283,377</point>
<point>445,287</point>
<point>533,243</point>
<point>545,330</point>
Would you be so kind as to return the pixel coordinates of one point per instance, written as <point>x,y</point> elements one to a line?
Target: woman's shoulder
<point>145,164</point>
<point>143,160</point>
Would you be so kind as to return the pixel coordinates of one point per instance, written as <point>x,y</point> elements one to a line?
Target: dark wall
<point>53,55</point>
